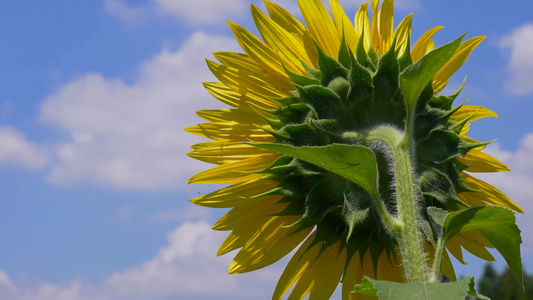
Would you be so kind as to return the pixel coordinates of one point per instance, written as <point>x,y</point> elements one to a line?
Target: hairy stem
<point>408,236</point>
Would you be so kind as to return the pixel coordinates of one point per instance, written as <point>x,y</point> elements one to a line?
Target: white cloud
<point>520,66</point>
<point>17,151</point>
<point>517,184</point>
<point>187,268</point>
<point>131,136</point>
<point>202,12</point>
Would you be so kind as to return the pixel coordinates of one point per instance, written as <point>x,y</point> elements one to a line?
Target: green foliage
<point>504,286</point>
<point>387,290</point>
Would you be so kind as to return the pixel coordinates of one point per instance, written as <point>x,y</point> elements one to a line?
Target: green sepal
<point>316,208</point>
<point>361,55</point>
<point>405,60</point>
<point>437,185</point>
<point>446,102</point>
<point>498,226</point>
<point>329,67</point>
<point>293,113</point>
<point>310,71</point>
<point>298,79</point>
<point>386,83</point>
<point>388,290</point>
<point>352,217</point>
<point>355,163</point>
<point>437,218</point>
<point>324,101</point>
<point>296,206</point>
<point>285,100</point>
<point>345,54</point>
<point>360,83</point>
<point>415,78</point>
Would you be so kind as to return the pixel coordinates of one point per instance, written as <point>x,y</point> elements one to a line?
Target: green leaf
<point>355,163</point>
<point>387,290</point>
<point>437,217</point>
<point>416,77</point>
<point>498,226</point>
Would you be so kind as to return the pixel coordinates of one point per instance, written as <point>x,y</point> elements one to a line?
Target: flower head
<point>331,83</point>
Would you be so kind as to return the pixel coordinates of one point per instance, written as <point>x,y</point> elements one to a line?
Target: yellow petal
<point>455,249</point>
<point>362,25</point>
<point>293,26</point>
<point>327,282</point>
<point>475,248</point>
<point>320,26</point>
<point>290,48</point>
<point>482,162</point>
<point>228,96</point>
<point>259,52</point>
<point>316,270</point>
<point>488,193</point>
<point>297,266</point>
<point>386,25</point>
<point>235,195</point>
<point>230,132</point>
<point>268,245</point>
<point>235,172</point>
<point>443,75</point>
<point>424,43</point>
<point>402,34</point>
<point>447,267</point>
<point>243,62</point>
<point>218,153</point>
<point>474,112</point>
<point>254,208</point>
<point>374,26</point>
<point>231,115</point>
<point>352,276</point>
<point>246,83</point>
<point>343,25</point>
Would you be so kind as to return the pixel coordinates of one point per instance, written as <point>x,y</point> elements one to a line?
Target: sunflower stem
<point>437,262</point>
<point>408,235</point>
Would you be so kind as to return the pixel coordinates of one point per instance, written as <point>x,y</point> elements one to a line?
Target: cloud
<point>206,12</point>
<point>516,184</point>
<point>520,65</point>
<point>187,268</point>
<point>131,136</point>
<point>16,151</point>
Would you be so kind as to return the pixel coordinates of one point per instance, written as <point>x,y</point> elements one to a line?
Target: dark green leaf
<point>355,163</point>
<point>414,78</point>
<point>497,224</point>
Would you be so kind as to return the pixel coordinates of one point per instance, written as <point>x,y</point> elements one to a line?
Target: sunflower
<point>328,84</point>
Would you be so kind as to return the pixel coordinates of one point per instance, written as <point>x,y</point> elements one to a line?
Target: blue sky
<point>94,96</point>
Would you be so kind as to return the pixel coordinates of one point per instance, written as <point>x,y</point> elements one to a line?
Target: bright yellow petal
<point>386,25</point>
<point>297,266</point>
<point>443,75</point>
<point>447,267</point>
<point>343,25</point>
<point>285,44</point>
<point>235,195</point>
<point>482,162</point>
<point>424,43</point>
<point>362,25</point>
<point>374,26</point>
<point>259,52</point>
<point>455,249</point>
<point>268,245</point>
<point>474,112</point>
<point>488,193</point>
<point>254,208</point>
<point>231,115</point>
<point>235,172</point>
<point>402,34</point>
<point>230,132</point>
<point>320,26</point>
<point>243,62</point>
<point>293,26</point>
<point>228,96</point>
<point>246,83</point>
